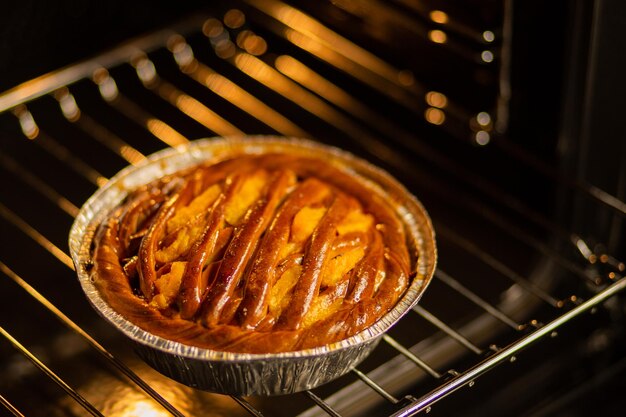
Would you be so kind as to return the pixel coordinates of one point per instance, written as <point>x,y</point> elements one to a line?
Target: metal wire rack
<point>267,67</point>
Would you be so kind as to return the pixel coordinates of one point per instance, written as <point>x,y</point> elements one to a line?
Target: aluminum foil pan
<point>246,373</point>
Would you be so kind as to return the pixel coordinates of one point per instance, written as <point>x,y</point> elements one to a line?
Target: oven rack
<point>36,112</point>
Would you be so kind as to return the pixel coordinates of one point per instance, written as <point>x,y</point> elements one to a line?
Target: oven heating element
<point>269,68</point>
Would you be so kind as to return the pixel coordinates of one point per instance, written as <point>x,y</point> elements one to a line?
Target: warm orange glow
<point>242,36</point>
<point>366,74</point>
<point>302,74</point>
<point>251,43</point>
<point>255,45</point>
<point>165,132</point>
<point>143,408</point>
<point>115,397</point>
<point>304,42</point>
<point>434,116</point>
<point>254,67</point>
<point>437,36</point>
<point>295,18</point>
<point>198,111</point>
<point>231,92</point>
<point>293,68</point>
<point>436,99</point>
<point>234,18</point>
<point>319,40</point>
<point>322,87</point>
<point>282,85</point>
<point>438,16</point>
<point>131,154</point>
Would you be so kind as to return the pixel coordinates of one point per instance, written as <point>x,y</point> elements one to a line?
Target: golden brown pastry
<point>257,253</point>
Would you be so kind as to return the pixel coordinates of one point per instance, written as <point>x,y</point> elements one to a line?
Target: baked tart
<point>256,247</point>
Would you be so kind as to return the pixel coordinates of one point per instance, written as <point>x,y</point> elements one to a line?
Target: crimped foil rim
<point>170,160</point>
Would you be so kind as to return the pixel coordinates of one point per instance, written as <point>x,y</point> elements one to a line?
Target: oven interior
<point>493,113</point>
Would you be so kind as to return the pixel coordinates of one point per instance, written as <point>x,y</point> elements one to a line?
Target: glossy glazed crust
<point>229,297</point>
